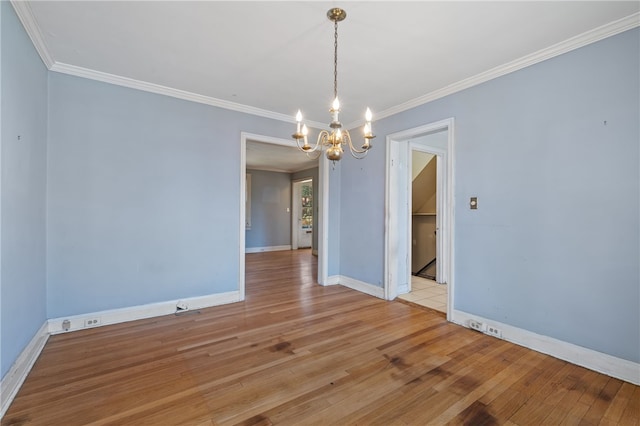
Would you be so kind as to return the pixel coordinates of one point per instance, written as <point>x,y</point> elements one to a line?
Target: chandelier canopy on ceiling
<point>334,140</point>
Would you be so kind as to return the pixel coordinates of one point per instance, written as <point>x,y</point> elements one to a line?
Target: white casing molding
<point>269,248</point>
<point>357,285</point>
<point>603,363</point>
<point>12,381</point>
<point>116,316</point>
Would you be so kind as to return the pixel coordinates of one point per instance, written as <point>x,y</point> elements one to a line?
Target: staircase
<point>428,271</point>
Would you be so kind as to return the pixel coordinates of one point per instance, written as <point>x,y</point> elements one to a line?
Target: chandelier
<point>335,139</point>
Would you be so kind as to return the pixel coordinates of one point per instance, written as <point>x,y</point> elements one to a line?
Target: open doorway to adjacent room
<point>281,206</point>
<point>419,216</point>
<point>302,218</point>
<point>426,287</point>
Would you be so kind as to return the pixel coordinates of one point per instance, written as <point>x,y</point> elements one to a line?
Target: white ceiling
<point>277,158</point>
<point>271,58</point>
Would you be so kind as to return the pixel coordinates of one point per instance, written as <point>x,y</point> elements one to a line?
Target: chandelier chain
<point>335,60</point>
<point>336,139</point>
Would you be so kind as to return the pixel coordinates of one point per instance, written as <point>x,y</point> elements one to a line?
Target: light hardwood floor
<point>297,353</point>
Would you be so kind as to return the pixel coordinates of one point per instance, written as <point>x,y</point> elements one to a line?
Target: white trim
<point>399,147</point>
<point>23,10</point>
<point>597,361</point>
<point>323,221</point>
<point>332,280</point>
<point>25,14</point>
<point>357,285</point>
<point>441,201</point>
<point>276,170</point>
<point>323,211</point>
<point>12,381</point>
<point>116,316</point>
<point>269,248</point>
<point>295,214</point>
<point>243,215</point>
<point>167,91</point>
<point>581,40</point>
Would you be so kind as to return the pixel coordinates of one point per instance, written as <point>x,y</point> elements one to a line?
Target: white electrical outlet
<point>493,331</point>
<point>92,322</point>
<point>476,325</point>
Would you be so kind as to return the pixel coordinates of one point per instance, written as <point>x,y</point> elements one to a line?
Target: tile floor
<point>427,293</point>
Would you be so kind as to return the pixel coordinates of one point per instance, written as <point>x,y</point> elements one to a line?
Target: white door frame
<point>397,262</point>
<point>441,155</point>
<point>296,208</point>
<point>323,189</point>
<point>295,212</point>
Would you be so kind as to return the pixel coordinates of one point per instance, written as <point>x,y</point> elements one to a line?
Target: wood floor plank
<point>297,353</point>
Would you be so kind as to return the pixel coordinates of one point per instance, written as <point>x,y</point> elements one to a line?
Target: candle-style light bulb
<point>299,120</point>
<point>367,127</point>
<point>335,109</point>
<point>305,132</point>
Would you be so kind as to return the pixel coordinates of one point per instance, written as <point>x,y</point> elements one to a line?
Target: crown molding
<point>592,36</point>
<point>167,91</point>
<point>23,10</point>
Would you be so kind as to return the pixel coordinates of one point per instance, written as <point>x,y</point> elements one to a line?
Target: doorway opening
<point>302,223</point>
<point>271,151</point>
<point>426,286</point>
<point>437,140</point>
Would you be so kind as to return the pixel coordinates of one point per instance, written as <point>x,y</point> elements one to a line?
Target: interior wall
<point>312,173</point>
<point>423,218</point>
<point>423,248</point>
<point>144,196</point>
<point>23,154</point>
<point>270,209</point>
<point>536,147</point>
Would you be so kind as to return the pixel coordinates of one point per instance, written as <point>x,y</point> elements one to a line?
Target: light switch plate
<point>473,203</point>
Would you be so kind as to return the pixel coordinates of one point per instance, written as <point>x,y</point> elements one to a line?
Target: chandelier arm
<point>359,156</point>
<point>352,148</point>
<point>316,147</point>
<point>323,139</point>
<point>318,153</point>
<point>299,146</point>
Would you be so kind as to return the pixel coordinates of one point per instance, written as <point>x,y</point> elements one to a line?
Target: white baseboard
<point>357,285</point>
<point>332,280</point>
<point>14,378</point>
<point>115,316</point>
<point>603,363</point>
<point>270,248</point>
<point>12,381</point>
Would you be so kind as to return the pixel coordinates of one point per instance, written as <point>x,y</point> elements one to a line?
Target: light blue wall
<point>144,196</point>
<point>554,245</point>
<point>313,174</point>
<point>23,189</point>
<point>270,199</point>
